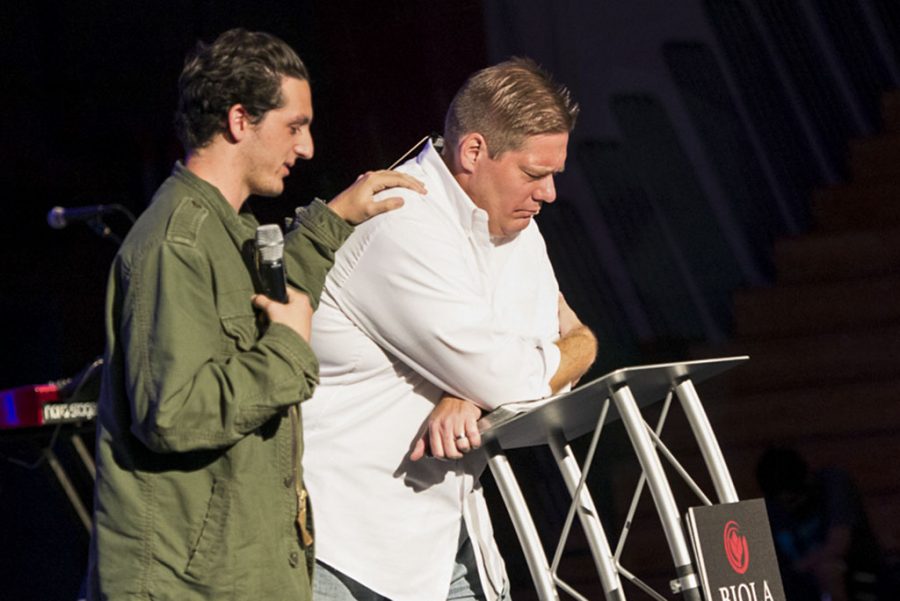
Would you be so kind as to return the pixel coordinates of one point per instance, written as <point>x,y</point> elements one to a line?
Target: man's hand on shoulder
<point>450,431</point>
<point>577,347</point>
<point>357,203</point>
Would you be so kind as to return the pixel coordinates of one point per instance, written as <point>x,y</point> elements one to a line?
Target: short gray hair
<point>509,102</point>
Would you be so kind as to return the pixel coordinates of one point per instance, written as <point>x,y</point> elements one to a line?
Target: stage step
<point>890,112</point>
<point>856,206</point>
<point>815,308</point>
<point>813,360</point>
<point>876,159</point>
<point>867,407</point>
<point>837,256</point>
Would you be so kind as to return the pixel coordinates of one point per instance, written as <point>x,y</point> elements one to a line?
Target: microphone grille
<point>270,242</point>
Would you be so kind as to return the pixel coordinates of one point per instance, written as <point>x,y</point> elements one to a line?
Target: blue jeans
<point>331,585</point>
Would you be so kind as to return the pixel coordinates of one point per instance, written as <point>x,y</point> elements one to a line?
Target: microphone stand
<point>101,229</point>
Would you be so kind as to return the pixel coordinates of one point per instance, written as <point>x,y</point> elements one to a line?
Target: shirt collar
<point>473,219</point>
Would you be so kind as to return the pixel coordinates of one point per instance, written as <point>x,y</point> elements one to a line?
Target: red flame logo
<point>736,548</point>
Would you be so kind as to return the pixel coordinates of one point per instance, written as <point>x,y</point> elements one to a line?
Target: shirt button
<point>288,481</point>
<point>294,559</point>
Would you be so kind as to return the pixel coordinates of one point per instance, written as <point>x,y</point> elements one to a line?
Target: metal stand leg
<point>524,525</point>
<point>706,440</point>
<point>67,486</point>
<point>687,583</point>
<point>590,522</point>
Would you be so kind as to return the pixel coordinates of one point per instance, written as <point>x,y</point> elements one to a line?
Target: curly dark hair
<point>240,67</point>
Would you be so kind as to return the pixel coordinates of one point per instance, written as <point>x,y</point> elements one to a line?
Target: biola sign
<point>735,555</point>
<point>745,591</point>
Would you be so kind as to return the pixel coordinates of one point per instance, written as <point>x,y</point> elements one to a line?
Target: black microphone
<point>270,259</point>
<point>60,217</point>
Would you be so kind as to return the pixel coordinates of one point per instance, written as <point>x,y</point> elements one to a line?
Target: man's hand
<point>295,314</point>
<point>450,430</point>
<point>577,346</point>
<point>356,204</point>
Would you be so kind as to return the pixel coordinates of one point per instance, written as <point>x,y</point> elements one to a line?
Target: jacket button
<point>294,559</point>
<point>288,481</point>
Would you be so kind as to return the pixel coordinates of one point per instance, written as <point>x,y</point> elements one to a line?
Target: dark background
<point>712,133</point>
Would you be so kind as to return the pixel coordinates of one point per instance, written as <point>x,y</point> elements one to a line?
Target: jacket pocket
<point>209,551</point>
<point>241,330</point>
<point>237,318</point>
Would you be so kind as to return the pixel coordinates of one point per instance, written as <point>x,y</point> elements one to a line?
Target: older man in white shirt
<point>442,309</point>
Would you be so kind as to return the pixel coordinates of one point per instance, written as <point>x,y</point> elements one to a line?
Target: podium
<point>562,418</point>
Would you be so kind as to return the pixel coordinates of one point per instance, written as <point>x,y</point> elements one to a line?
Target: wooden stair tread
<point>817,307</point>
<point>876,158</point>
<point>839,410</point>
<point>837,255</point>
<point>809,360</point>
<point>856,206</point>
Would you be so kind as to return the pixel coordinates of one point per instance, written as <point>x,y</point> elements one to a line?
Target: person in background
<point>825,546</point>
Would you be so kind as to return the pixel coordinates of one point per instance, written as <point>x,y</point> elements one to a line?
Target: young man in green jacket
<point>199,486</point>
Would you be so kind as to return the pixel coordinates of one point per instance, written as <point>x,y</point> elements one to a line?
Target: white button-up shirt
<point>419,301</point>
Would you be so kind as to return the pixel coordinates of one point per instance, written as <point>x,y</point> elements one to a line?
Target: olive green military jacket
<point>198,472</point>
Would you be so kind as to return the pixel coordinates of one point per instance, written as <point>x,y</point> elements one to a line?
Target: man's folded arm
<point>413,293</point>
<point>577,347</point>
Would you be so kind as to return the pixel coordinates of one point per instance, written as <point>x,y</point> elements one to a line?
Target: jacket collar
<point>240,226</point>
